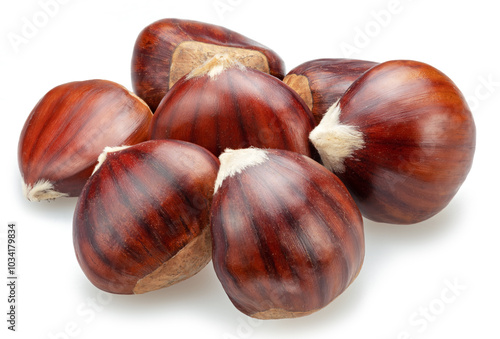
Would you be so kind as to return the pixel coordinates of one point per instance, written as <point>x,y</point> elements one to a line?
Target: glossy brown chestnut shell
<point>168,49</point>
<point>402,139</point>
<point>287,236</point>
<point>322,82</point>
<point>142,220</point>
<point>68,129</point>
<point>223,104</point>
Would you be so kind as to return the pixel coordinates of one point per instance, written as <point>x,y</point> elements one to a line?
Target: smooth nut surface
<point>223,104</point>
<point>69,128</point>
<point>141,222</point>
<point>414,141</point>
<point>287,236</point>
<point>166,50</point>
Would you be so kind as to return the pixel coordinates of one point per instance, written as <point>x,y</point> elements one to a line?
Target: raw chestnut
<point>168,49</point>
<point>142,220</point>
<point>69,128</point>
<point>287,236</point>
<point>322,82</point>
<point>402,139</point>
<point>223,104</point>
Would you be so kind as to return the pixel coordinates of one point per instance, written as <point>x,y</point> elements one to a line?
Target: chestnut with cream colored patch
<point>142,220</point>
<point>68,129</point>
<point>402,139</point>
<point>168,49</point>
<point>287,236</point>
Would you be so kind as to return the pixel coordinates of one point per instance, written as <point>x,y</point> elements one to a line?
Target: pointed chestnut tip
<point>215,66</point>
<point>102,157</point>
<point>41,190</point>
<point>235,161</point>
<point>334,141</point>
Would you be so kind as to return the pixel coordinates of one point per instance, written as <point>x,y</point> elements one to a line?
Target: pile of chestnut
<point>266,175</point>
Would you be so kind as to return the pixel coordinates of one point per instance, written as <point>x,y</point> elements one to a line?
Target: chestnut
<point>287,237</point>
<point>142,220</point>
<point>322,82</point>
<point>168,49</point>
<point>68,129</point>
<point>223,104</point>
<point>402,139</point>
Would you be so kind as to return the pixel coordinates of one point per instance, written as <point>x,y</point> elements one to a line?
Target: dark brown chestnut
<point>287,236</point>
<point>69,128</point>
<point>168,49</point>
<point>223,104</point>
<point>402,139</point>
<point>142,220</point>
<point>322,82</point>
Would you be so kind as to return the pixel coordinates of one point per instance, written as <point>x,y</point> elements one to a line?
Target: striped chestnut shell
<point>142,220</point>
<point>168,49</point>
<point>322,82</point>
<point>287,236</point>
<point>402,139</point>
<point>223,104</point>
<point>68,129</point>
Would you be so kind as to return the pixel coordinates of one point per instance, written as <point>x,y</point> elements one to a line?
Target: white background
<point>407,270</point>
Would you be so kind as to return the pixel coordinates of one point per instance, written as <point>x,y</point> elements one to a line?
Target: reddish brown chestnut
<point>223,104</point>
<point>287,236</point>
<point>402,139</point>
<point>69,128</point>
<point>142,220</point>
<point>168,49</point>
<point>322,82</point>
